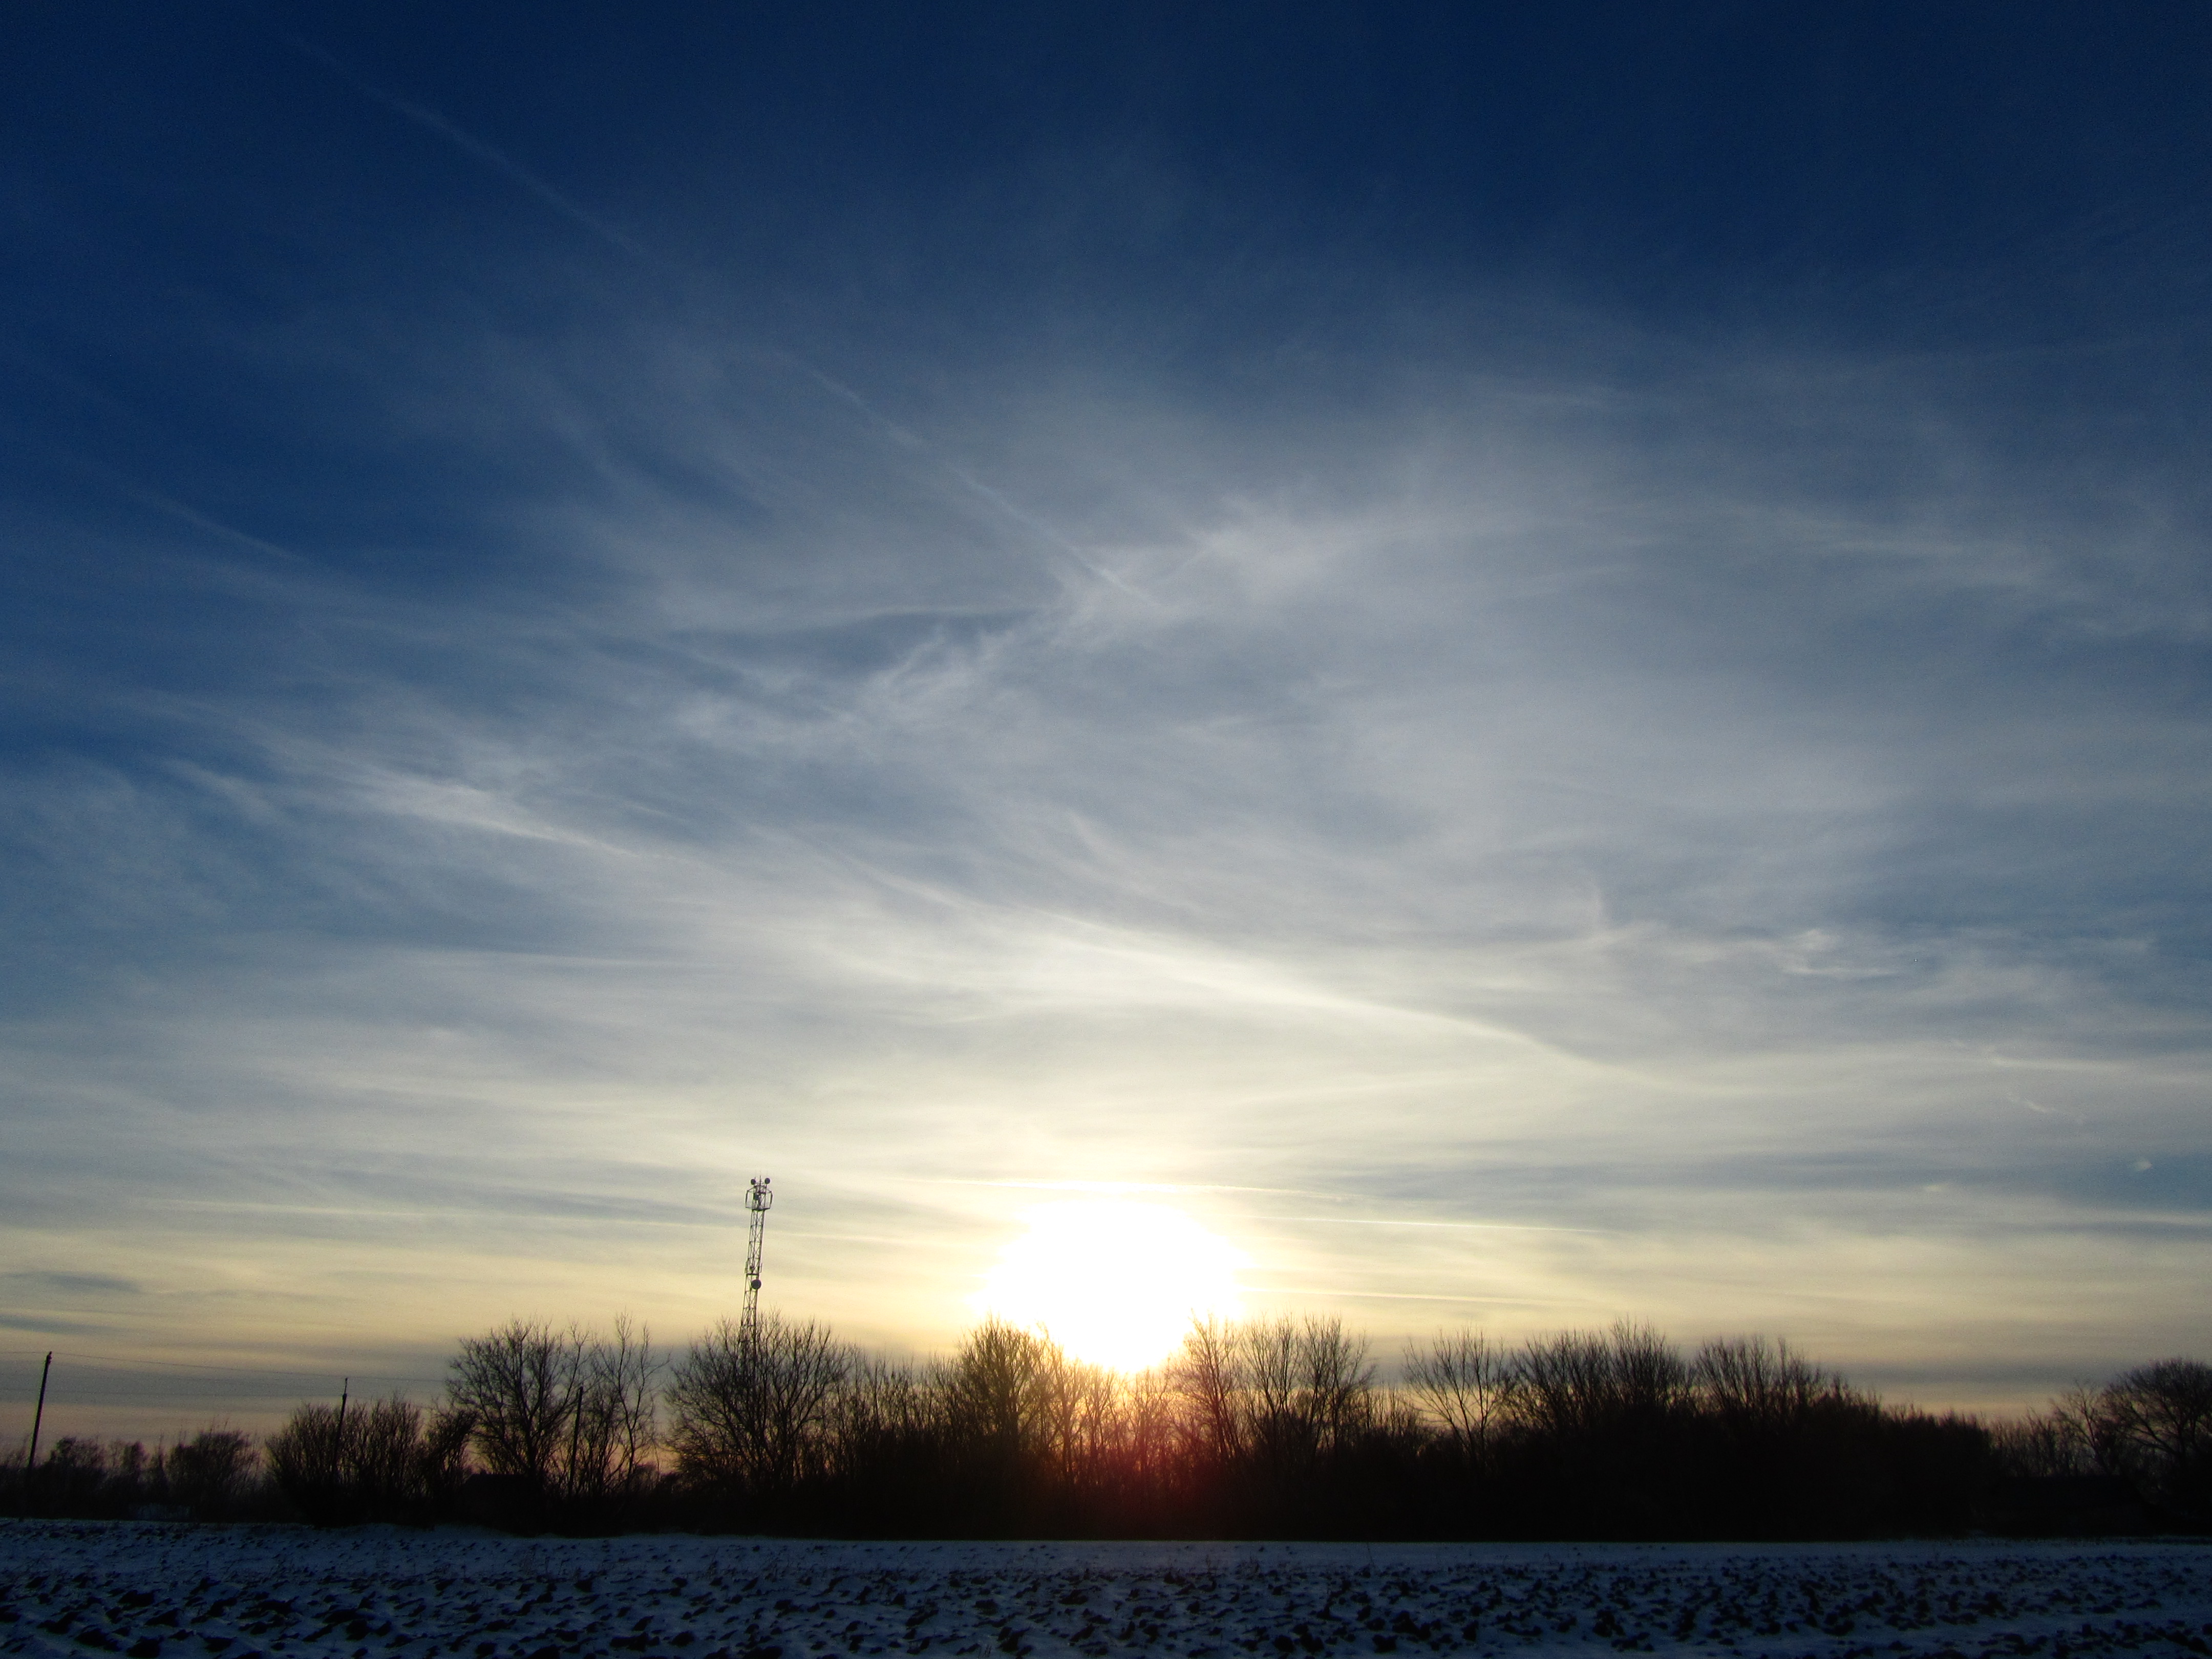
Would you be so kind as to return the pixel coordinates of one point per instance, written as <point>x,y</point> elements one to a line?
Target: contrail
<point>122,484</point>
<point>1106,1186</point>
<point>1463,1226</point>
<point>469,144</point>
<point>974,486</point>
<point>199,520</point>
<point>1036,526</point>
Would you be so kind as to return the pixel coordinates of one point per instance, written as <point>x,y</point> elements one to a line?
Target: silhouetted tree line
<point>1279,1429</point>
<point>2144,1439</point>
<point>1271,1428</point>
<point>213,1476</point>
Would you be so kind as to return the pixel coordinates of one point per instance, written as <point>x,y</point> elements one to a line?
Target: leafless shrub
<point>386,1460</point>
<point>1271,1426</point>
<point>70,1477</point>
<point>614,1420</point>
<point>891,1396</point>
<point>385,1454</point>
<point>306,1458</point>
<point>210,1473</point>
<point>1336,1399</point>
<point>443,1456</point>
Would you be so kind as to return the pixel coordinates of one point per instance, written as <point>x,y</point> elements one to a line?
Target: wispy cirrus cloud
<point>1674,816</point>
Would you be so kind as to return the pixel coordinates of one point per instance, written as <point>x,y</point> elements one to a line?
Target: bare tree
<point>993,1391</point>
<point>2159,1418</point>
<point>1337,1383</point>
<point>614,1413</point>
<point>1580,1381</point>
<point>1748,1381</point>
<point>1650,1379</point>
<point>520,1385</point>
<point>1208,1375</point>
<point>758,1415</point>
<point>1149,1399</point>
<point>1566,1383</point>
<point>1272,1407</point>
<point>885,1414</point>
<point>442,1457</point>
<point>1465,1385</point>
<point>571,1413</point>
<point>1078,1416</point>
<point>1271,1396</point>
<point>381,1454</point>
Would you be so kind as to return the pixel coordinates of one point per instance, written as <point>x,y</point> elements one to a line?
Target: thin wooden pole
<point>38,1420</point>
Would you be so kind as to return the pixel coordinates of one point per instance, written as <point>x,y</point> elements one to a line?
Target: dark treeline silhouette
<point>2141,1445</point>
<point>1278,1429</point>
<point>213,1476</point>
<point>1271,1428</point>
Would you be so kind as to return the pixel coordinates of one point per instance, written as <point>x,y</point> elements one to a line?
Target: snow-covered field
<point>173,1592</point>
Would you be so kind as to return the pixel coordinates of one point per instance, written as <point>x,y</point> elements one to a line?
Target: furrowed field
<point>166,1592</point>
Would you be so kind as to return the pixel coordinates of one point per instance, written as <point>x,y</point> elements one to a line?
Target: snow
<point>178,1592</point>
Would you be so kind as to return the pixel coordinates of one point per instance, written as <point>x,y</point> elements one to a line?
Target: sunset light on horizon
<point>1114,1282</point>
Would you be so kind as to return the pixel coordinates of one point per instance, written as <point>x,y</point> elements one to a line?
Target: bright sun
<point>1112,1281</point>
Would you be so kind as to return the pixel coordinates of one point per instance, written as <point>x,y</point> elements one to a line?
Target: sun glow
<point>1113,1282</point>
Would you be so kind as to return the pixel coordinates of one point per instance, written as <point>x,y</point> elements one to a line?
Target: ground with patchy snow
<point>173,1592</point>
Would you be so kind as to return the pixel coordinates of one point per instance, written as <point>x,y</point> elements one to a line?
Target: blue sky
<point>1549,663</point>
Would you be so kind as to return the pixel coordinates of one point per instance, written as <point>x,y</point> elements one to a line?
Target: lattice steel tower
<point>757,1200</point>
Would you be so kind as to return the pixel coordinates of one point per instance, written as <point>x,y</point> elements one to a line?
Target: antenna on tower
<point>757,1200</point>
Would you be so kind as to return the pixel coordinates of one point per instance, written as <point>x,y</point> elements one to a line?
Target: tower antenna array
<point>757,1200</point>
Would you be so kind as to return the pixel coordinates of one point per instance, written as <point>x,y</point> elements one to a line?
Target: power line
<point>108,1362</point>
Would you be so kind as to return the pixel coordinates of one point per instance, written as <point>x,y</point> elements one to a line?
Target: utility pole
<point>757,1200</point>
<point>38,1417</point>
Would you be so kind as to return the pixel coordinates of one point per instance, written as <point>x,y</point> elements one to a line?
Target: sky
<point>1518,666</point>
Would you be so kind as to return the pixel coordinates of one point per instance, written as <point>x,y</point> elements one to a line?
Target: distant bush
<point>211,1474</point>
<point>385,1461</point>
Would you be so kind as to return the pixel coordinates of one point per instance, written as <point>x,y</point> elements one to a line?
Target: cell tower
<point>757,1200</point>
